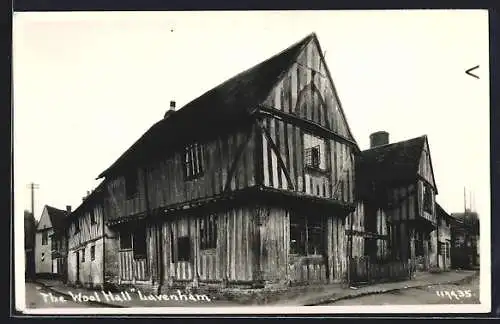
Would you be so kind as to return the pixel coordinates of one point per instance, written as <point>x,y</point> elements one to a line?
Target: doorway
<point>77,254</point>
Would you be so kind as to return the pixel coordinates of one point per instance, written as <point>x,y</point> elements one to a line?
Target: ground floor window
<point>306,235</point>
<point>183,248</point>
<point>208,232</point>
<point>180,245</point>
<point>139,241</point>
<point>134,238</point>
<point>92,253</point>
<point>371,247</point>
<point>419,244</point>
<point>125,239</point>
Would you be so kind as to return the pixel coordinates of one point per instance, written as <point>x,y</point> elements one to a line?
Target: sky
<point>88,85</point>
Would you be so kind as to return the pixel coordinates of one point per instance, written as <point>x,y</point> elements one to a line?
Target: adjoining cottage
<point>91,246</point>
<point>465,239</point>
<point>444,235</point>
<point>396,184</point>
<point>51,243</point>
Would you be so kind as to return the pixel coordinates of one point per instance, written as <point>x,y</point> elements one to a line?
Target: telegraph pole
<point>32,186</point>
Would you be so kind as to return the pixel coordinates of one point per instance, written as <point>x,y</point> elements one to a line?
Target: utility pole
<point>32,186</point>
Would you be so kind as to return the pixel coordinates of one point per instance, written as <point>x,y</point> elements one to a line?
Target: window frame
<point>131,185</point>
<point>92,253</point>
<point>194,160</point>
<point>303,231</point>
<point>83,255</point>
<point>139,235</point>
<point>77,226</point>
<point>125,233</point>
<point>311,160</point>
<point>314,161</point>
<point>427,199</point>
<point>183,249</point>
<point>45,237</point>
<point>92,215</point>
<point>208,232</point>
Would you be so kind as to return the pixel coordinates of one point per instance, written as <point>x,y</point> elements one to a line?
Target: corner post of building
<point>259,221</point>
<point>412,252</point>
<point>196,259</point>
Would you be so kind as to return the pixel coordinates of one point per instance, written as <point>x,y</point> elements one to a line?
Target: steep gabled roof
<point>441,213</point>
<point>57,218</point>
<point>227,104</point>
<point>391,162</point>
<point>90,199</point>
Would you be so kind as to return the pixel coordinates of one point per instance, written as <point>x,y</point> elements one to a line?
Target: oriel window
<point>193,161</point>
<point>427,199</point>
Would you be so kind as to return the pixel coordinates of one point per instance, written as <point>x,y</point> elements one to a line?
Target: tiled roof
<point>390,163</point>
<point>225,105</point>
<point>57,218</point>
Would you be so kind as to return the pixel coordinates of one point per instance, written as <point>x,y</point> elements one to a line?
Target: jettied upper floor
<point>278,125</point>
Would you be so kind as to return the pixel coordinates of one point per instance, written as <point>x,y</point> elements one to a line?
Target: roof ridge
<point>303,40</point>
<point>256,81</point>
<point>395,143</point>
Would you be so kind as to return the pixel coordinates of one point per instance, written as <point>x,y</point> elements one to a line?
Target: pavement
<point>294,296</point>
<point>463,293</point>
<point>421,280</point>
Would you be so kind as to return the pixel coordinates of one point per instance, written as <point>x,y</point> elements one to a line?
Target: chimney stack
<point>171,110</point>
<point>68,209</point>
<point>379,138</point>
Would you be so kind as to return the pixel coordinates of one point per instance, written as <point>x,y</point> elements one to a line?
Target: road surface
<point>467,293</point>
<point>39,297</point>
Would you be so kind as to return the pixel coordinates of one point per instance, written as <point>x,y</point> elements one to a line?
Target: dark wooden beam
<point>237,157</point>
<point>276,150</point>
<point>307,125</point>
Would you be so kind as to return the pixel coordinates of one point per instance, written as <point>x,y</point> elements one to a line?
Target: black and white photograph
<point>251,162</point>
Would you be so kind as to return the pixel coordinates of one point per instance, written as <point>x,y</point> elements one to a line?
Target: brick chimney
<point>379,138</point>
<point>68,209</point>
<point>171,110</point>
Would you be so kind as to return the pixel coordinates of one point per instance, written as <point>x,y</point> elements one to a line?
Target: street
<point>438,294</point>
<point>39,297</point>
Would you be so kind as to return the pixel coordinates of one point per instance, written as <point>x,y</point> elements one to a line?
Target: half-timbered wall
<point>279,263</point>
<point>307,91</point>
<point>234,254</point>
<point>85,247</point>
<point>284,156</point>
<point>228,164</point>
<point>422,212</point>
